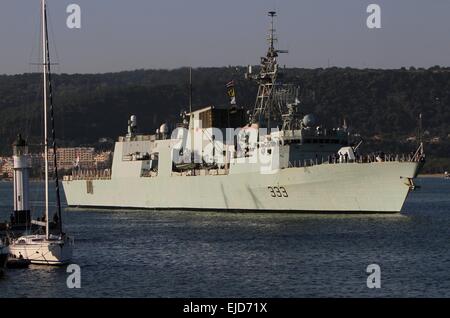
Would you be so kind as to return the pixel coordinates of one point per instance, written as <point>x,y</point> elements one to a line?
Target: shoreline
<point>426,175</point>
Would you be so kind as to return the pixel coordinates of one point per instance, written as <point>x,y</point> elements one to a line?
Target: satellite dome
<point>164,129</point>
<point>309,120</point>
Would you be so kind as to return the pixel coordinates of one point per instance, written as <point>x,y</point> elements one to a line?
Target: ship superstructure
<point>219,158</point>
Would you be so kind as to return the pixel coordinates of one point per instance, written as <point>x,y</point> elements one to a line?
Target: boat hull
<point>45,253</point>
<point>340,188</point>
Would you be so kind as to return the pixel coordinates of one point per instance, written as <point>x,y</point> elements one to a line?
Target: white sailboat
<point>48,248</point>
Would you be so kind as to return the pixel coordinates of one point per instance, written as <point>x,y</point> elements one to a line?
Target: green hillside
<point>382,105</point>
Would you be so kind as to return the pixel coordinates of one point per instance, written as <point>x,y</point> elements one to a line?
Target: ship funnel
<point>309,120</point>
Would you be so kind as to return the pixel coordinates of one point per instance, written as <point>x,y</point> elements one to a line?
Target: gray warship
<point>271,159</point>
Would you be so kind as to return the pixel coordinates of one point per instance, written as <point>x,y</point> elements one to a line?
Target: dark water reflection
<point>189,254</point>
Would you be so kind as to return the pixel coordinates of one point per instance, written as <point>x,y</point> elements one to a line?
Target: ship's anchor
<point>412,186</point>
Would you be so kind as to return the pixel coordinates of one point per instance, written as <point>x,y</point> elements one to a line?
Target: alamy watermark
<point>374,19</point>
<point>241,145</point>
<point>374,278</point>
<point>74,279</point>
<point>74,19</point>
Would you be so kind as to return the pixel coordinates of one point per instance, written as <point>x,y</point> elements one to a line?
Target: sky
<point>118,35</point>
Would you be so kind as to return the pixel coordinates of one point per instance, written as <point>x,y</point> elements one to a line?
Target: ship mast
<point>48,82</point>
<point>265,108</point>
<point>44,70</point>
<point>191,116</point>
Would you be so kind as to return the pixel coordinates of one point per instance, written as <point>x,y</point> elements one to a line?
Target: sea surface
<point>196,254</point>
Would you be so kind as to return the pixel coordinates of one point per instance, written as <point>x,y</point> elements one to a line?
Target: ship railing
<point>419,154</point>
<point>104,174</point>
<point>369,158</point>
<point>201,172</point>
<point>149,173</point>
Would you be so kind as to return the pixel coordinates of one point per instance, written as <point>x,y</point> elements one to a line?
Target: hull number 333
<point>278,192</point>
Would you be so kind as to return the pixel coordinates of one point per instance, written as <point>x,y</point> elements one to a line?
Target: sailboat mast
<point>191,120</point>
<point>44,70</point>
<point>53,129</point>
<point>190,90</point>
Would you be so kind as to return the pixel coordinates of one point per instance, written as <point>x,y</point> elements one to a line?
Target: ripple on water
<point>198,254</point>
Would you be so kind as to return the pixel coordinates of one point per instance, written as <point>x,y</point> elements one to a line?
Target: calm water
<point>188,254</point>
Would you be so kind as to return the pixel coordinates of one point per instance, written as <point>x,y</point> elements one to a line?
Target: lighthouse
<point>21,182</point>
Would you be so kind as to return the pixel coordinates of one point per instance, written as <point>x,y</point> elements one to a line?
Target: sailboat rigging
<point>47,66</point>
<point>48,249</point>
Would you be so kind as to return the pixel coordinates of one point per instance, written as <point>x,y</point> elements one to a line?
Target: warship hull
<point>380,187</point>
